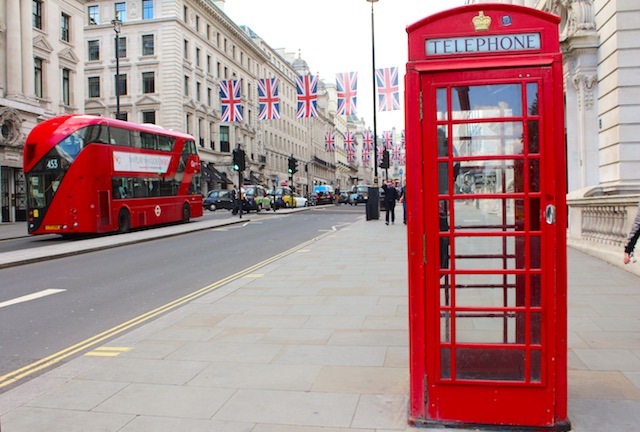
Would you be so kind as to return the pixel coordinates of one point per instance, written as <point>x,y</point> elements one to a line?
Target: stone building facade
<point>600,40</point>
<point>41,75</point>
<point>172,56</point>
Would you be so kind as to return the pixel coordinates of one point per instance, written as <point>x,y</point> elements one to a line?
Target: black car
<point>218,199</point>
<point>359,194</point>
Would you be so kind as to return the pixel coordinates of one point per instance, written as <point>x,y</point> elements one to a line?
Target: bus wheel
<point>124,221</point>
<point>186,213</point>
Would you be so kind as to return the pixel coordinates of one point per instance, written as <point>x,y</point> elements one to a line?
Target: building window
<point>122,47</point>
<point>94,50</point>
<point>94,15</point>
<point>66,86</point>
<point>224,139</point>
<point>188,120</point>
<point>122,84</point>
<point>37,14</point>
<point>123,115</point>
<point>208,32</point>
<point>185,13</point>
<point>212,143</point>
<point>64,27</point>
<point>198,90</point>
<point>186,86</point>
<point>209,64</point>
<point>197,56</point>
<point>38,76</point>
<point>147,9</point>
<point>148,82</point>
<point>121,11</point>
<point>209,96</point>
<point>186,49</point>
<point>149,117</point>
<point>148,45</point>
<point>94,87</point>
<point>197,23</point>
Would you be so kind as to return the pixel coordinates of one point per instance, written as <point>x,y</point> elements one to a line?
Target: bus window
<point>119,137</point>
<point>69,147</point>
<point>166,143</point>
<point>96,134</point>
<point>135,139</point>
<point>153,187</point>
<point>148,141</point>
<point>121,187</point>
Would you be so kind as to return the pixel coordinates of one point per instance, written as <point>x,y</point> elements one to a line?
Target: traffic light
<point>385,159</point>
<point>293,165</point>
<point>238,160</point>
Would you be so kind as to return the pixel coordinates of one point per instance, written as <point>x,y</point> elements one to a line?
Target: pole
<point>373,70</point>
<point>117,76</point>
<point>239,196</point>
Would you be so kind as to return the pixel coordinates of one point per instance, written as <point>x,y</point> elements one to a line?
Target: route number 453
<point>52,164</point>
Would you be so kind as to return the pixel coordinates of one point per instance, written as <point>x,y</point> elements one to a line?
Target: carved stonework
<point>577,16</point>
<point>10,126</point>
<point>584,85</point>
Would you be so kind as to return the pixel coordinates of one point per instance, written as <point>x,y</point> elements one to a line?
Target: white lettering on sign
<point>140,162</point>
<point>483,44</point>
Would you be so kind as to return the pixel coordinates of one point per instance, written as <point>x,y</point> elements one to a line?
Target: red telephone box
<point>487,219</point>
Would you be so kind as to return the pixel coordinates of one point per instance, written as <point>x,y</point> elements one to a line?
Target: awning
<point>254,179</point>
<point>206,172</point>
<point>213,175</point>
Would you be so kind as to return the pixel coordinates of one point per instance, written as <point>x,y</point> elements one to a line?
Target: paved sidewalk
<point>315,342</point>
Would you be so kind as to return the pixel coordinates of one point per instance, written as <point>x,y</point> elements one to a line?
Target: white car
<point>300,200</point>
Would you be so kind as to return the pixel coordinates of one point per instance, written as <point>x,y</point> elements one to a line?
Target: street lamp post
<point>373,70</point>
<point>373,203</point>
<point>117,24</point>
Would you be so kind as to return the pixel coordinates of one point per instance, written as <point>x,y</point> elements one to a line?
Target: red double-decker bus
<point>88,174</point>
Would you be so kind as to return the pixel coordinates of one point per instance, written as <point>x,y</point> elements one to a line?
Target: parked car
<point>359,194</point>
<point>300,201</point>
<point>282,196</point>
<point>343,198</point>
<point>324,194</point>
<point>218,199</point>
<point>255,198</point>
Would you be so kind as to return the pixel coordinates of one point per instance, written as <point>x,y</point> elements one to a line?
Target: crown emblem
<point>481,22</point>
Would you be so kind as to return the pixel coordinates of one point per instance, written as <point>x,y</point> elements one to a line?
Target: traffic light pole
<point>239,194</point>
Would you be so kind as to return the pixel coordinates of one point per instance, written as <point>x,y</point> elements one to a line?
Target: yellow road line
<point>44,363</point>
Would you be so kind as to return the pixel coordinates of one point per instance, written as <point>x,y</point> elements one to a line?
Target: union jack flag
<point>367,140</point>
<point>268,99</point>
<point>350,146</point>
<point>366,157</point>
<point>230,101</point>
<point>387,84</point>
<point>387,137</point>
<point>380,151</point>
<point>347,84</point>
<point>396,154</point>
<point>349,141</point>
<point>330,141</point>
<point>307,96</point>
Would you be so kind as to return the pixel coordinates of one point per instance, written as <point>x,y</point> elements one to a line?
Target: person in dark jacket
<point>632,238</point>
<point>390,198</point>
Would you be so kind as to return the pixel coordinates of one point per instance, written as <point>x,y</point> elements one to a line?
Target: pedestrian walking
<point>390,198</point>
<point>403,201</point>
<point>236,200</point>
<point>632,238</point>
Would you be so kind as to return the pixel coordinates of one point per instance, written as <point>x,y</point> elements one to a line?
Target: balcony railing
<point>599,225</point>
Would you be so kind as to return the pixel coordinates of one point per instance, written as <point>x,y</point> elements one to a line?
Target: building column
<point>14,49</point>
<point>26,33</point>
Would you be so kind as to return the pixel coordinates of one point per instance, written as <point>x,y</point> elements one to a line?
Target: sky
<point>334,36</point>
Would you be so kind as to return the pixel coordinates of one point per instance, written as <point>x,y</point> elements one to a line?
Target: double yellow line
<point>87,344</point>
